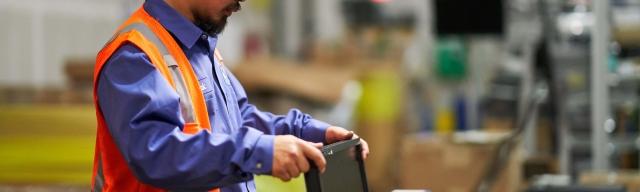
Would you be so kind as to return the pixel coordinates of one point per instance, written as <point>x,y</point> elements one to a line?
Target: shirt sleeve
<point>142,114</point>
<point>294,122</point>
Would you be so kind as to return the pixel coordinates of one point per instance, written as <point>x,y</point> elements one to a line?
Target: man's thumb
<point>348,136</point>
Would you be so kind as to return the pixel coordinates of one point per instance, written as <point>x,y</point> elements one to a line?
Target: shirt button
<point>259,165</point>
<point>203,37</point>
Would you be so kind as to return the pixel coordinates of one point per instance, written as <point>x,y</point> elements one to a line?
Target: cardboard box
<point>438,164</point>
<point>630,179</point>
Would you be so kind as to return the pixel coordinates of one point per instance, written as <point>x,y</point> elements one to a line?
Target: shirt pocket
<point>206,87</point>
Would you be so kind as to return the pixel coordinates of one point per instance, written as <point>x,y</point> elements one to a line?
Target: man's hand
<point>291,157</point>
<point>335,134</point>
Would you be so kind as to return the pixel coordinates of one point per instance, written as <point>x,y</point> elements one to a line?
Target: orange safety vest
<point>110,170</point>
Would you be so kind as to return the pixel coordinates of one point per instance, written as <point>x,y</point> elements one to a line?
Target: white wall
<point>37,37</point>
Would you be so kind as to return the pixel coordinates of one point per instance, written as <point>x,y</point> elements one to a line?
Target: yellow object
<point>266,183</point>
<point>46,144</point>
<point>445,123</point>
<point>381,96</point>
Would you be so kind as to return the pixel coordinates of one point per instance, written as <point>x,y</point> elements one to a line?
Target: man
<point>172,117</point>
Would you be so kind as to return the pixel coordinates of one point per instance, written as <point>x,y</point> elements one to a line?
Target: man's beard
<point>212,27</point>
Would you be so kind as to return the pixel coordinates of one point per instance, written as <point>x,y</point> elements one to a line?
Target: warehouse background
<point>435,86</point>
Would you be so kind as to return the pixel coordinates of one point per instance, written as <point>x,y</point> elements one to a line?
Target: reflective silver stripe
<point>186,106</point>
<point>185,101</point>
<point>147,33</point>
<point>98,182</point>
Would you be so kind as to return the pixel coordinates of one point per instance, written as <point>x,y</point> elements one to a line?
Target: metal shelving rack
<point>587,121</point>
<point>600,110</point>
<point>584,110</point>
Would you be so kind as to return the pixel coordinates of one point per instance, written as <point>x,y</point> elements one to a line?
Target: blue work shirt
<point>141,110</point>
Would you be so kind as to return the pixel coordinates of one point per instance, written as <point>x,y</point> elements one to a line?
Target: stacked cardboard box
<point>630,179</point>
<point>437,163</point>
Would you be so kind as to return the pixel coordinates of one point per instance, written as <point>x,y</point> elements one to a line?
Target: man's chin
<point>221,25</point>
<point>212,28</point>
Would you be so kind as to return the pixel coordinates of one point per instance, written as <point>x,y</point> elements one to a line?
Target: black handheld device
<point>344,171</point>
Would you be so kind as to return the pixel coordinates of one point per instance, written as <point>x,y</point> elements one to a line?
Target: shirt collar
<point>184,30</point>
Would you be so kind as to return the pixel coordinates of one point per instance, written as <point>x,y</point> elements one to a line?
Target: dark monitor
<point>460,17</point>
<point>344,171</point>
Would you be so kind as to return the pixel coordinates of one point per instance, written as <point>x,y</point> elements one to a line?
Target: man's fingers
<point>343,134</point>
<point>303,163</point>
<point>285,176</point>
<point>282,175</point>
<point>335,134</point>
<point>365,148</point>
<point>293,170</point>
<point>315,155</point>
<point>316,145</point>
<point>347,136</point>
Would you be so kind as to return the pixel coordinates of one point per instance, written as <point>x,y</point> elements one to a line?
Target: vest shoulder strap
<point>145,33</point>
